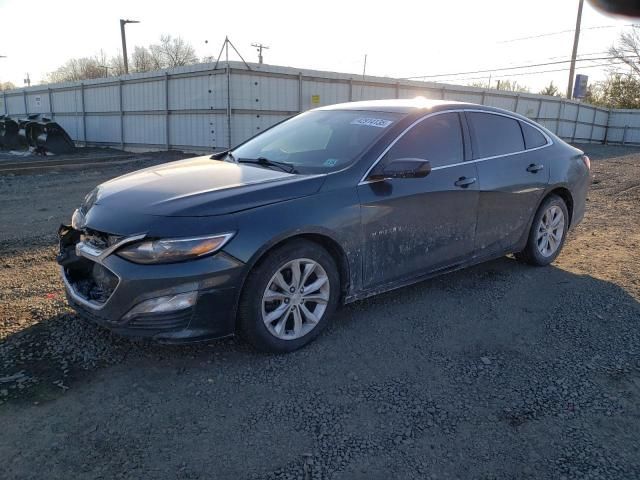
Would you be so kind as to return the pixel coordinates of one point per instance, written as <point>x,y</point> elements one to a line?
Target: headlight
<point>173,250</point>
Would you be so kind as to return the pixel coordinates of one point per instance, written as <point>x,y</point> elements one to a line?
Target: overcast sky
<point>401,38</point>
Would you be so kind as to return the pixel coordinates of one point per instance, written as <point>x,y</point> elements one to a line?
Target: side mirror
<point>219,155</point>
<point>402,168</point>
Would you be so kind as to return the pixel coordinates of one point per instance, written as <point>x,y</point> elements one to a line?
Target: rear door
<point>513,174</point>
<point>415,225</point>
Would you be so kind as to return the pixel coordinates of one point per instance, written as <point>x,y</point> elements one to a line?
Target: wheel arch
<point>320,237</point>
<point>565,194</point>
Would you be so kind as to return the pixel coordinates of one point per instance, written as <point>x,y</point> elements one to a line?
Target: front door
<point>416,225</point>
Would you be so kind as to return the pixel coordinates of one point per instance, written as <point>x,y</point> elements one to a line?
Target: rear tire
<point>289,297</point>
<point>548,233</point>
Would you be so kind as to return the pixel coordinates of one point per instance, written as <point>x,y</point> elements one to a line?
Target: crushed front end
<point>177,302</point>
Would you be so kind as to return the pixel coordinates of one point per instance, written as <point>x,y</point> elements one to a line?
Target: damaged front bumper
<point>186,301</point>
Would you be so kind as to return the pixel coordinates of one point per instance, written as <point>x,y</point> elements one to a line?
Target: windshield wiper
<point>285,167</point>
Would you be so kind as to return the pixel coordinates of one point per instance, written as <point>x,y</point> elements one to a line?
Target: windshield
<point>319,141</point>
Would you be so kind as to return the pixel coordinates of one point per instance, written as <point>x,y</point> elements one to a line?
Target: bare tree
<point>6,86</point>
<point>116,65</point>
<point>511,86</point>
<point>77,69</point>
<point>173,52</point>
<point>551,90</point>
<point>143,61</point>
<point>507,85</point>
<point>170,52</point>
<point>617,91</point>
<point>627,49</point>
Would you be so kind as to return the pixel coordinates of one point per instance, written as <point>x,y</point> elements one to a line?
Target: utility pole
<point>260,46</point>
<point>576,37</point>
<point>124,43</point>
<point>106,69</point>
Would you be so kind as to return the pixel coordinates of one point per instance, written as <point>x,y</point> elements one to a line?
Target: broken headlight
<point>174,249</point>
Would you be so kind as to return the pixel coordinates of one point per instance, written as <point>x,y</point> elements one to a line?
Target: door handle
<point>533,168</point>
<point>464,182</point>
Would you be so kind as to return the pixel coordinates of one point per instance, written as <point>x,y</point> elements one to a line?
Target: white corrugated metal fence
<point>200,108</point>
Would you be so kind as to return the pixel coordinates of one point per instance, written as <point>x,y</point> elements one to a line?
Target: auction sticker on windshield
<point>372,122</point>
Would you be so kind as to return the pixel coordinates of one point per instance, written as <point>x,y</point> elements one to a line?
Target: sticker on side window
<point>372,122</point>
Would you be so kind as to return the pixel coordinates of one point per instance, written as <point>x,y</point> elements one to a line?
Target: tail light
<point>586,161</point>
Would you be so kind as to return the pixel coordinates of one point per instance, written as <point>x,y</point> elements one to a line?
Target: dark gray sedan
<point>328,207</point>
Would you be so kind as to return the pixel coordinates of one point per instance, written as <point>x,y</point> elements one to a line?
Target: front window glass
<point>437,139</point>
<point>319,141</point>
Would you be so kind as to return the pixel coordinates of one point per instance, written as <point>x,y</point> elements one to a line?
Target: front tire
<point>289,297</point>
<point>548,232</point>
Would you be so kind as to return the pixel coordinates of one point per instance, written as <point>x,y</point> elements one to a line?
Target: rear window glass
<point>494,135</point>
<point>532,136</point>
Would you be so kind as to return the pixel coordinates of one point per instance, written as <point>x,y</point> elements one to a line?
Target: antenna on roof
<point>225,48</point>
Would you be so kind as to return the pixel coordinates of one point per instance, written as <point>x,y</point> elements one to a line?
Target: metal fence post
<point>300,91</point>
<point>228,106</point>
<point>121,114</point>
<point>397,89</point>
<point>351,89</point>
<point>484,97</point>
<point>517,102</point>
<point>166,110</point>
<point>50,96</point>
<point>84,118</point>
<point>539,109</point>
<point>24,98</point>
<point>624,134</point>
<point>560,112</point>
<point>442,92</point>
<point>593,124</point>
<point>575,124</point>
<point>6,107</point>
<point>606,129</point>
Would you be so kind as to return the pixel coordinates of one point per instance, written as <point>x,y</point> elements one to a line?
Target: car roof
<point>407,105</point>
<point>418,104</point>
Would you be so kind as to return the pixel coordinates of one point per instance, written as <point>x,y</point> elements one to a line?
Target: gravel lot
<point>500,371</point>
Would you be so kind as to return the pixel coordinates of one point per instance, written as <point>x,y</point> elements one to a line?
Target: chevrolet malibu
<point>328,207</point>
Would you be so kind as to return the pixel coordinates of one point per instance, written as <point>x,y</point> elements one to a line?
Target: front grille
<point>145,326</point>
<point>91,281</point>
<point>165,321</point>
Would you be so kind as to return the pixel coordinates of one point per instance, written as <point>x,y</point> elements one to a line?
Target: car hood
<point>202,187</point>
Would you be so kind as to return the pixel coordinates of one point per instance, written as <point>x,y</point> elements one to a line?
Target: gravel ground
<point>499,371</point>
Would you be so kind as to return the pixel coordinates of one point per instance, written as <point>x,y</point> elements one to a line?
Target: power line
<point>507,75</point>
<point>518,67</point>
<point>532,37</point>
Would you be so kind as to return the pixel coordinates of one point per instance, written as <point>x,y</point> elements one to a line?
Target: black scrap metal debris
<point>36,132</point>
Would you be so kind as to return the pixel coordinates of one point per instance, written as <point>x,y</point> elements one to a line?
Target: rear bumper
<point>216,280</point>
<point>580,191</point>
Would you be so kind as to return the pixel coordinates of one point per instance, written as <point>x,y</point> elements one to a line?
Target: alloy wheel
<point>550,231</point>
<point>295,299</point>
